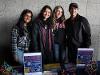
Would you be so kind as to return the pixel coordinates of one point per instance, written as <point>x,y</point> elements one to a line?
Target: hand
<point>16,58</point>
<point>26,49</point>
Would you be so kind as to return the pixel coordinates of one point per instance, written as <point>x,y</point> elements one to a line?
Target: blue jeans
<point>56,52</point>
<point>59,53</point>
<point>19,55</point>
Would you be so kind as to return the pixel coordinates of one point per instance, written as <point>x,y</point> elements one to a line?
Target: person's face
<point>73,12</point>
<point>58,13</point>
<point>47,13</point>
<point>27,17</point>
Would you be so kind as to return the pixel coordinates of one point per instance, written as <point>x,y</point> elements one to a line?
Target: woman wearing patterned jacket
<point>21,35</point>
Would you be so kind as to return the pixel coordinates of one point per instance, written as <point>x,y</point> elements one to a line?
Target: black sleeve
<point>66,32</point>
<point>35,36</point>
<point>86,32</point>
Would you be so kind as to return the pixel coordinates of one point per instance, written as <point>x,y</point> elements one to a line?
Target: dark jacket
<point>78,32</point>
<point>42,36</point>
<point>59,36</point>
<point>59,33</point>
<point>43,40</point>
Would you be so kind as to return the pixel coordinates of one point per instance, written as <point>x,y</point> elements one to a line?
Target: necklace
<point>45,26</point>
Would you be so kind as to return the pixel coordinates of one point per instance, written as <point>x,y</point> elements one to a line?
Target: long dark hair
<point>54,17</point>
<point>40,16</point>
<point>20,23</point>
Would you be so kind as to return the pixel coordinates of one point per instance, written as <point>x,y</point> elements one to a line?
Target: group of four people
<point>50,34</point>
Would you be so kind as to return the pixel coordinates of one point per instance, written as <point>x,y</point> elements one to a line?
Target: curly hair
<point>62,18</point>
<point>40,16</point>
<point>20,23</point>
